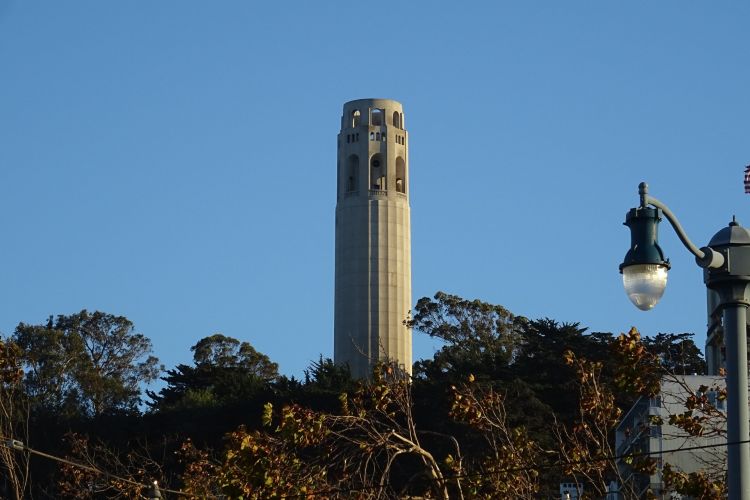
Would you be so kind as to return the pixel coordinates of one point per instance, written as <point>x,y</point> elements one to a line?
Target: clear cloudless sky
<point>174,161</point>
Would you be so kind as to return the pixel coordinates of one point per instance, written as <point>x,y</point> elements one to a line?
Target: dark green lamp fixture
<point>644,270</point>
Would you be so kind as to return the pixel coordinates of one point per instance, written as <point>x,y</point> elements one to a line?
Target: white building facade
<point>646,429</point>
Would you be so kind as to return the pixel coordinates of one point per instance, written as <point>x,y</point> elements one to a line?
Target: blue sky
<point>174,161</point>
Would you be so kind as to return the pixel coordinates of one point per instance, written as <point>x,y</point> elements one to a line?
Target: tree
<point>13,424</point>
<point>511,355</point>
<point>101,472</point>
<point>220,351</point>
<point>86,363</point>
<point>514,464</point>
<point>540,362</point>
<point>373,447</point>
<point>587,449</point>
<point>379,430</point>
<point>225,371</point>
<point>358,450</point>
<point>325,375</point>
<point>677,353</point>
<point>509,465</point>
<point>474,332</point>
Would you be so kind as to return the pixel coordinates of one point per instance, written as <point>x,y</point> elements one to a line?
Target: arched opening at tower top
<point>377,173</point>
<point>352,173</point>
<point>400,175</point>
<point>397,119</point>
<point>376,116</point>
<point>355,118</point>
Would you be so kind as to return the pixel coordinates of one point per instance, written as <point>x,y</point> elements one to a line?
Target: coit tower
<point>373,237</point>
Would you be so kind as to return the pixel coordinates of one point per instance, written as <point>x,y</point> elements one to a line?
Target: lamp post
<point>726,270</point>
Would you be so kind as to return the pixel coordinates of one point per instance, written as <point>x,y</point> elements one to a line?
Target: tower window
<point>396,119</point>
<point>355,118</point>
<point>348,137</point>
<point>372,136</point>
<point>376,116</point>
<point>352,172</point>
<point>377,136</point>
<point>377,173</point>
<point>400,175</point>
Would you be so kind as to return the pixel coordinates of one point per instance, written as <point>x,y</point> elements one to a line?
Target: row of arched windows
<point>377,118</point>
<point>374,136</point>
<point>378,175</point>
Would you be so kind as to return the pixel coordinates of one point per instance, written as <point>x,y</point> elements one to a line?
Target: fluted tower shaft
<point>373,237</point>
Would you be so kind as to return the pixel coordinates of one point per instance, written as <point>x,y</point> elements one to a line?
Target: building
<point>646,429</point>
<point>373,238</point>
<point>571,491</point>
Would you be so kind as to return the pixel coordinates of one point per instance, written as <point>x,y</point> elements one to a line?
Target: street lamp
<point>726,270</point>
<point>153,493</point>
<point>644,270</point>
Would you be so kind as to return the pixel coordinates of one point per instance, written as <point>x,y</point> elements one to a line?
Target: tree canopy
<point>225,371</point>
<point>85,363</point>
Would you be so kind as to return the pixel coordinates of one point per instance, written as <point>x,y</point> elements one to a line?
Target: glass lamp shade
<point>644,284</point>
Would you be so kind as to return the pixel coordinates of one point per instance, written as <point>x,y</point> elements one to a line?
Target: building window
<point>377,173</point>
<point>355,118</point>
<point>400,175</point>
<point>396,119</point>
<point>717,402</point>
<point>376,117</point>
<point>352,173</point>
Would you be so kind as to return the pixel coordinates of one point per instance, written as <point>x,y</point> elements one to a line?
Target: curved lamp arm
<point>704,257</point>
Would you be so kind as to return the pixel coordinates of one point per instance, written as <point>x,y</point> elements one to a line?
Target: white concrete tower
<point>373,237</point>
